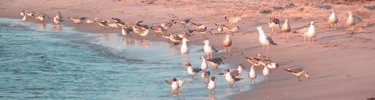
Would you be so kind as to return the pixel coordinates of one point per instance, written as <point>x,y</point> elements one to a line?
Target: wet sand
<point>339,61</point>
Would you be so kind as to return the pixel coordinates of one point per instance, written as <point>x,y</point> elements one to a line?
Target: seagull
<point>252,75</point>
<point>58,15</point>
<point>167,25</point>
<point>141,31</point>
<point>158,29</point>
<point>77,20</point>
<point>23,14</point>
<point>230,78</point>
<point>116,20</point>
<point>237,73</point>
<point>268,63</point>
<point>233,20</point>
<point>262,57</point>
<point>186,34</point>
<point>125,31</point>
<point>220,27</point>
<point>350,21</point>
<point>227,42</point>
<point>205,75</point>
<point>286,29</point>
<point>204,65</point>
<point>184,22</point>
<point>266,72</point>
<point>333,18</point>
<point>211,84</point>
<point>203,31</point>
<point>264,39</point>
<point>184,47</point>
<point>112,25</point>
<point>89,21</point>
<point>274,22</point>
<point>311,32</point>
<point>298,72</point>
<point>102,24</point>
<point>214,62</point>
<point>208,49</point>
<point>175,85</point>
<point>192,71</point>
<point>40,16</point>
<point>231,29</point>
<point>98,19</point>
<point>56,20</point>
<point>254,61</point>
<point>31,14</point>
<point>174,38</point>
<point>198,25</point>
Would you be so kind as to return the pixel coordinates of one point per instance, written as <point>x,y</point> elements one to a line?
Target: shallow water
<point>47,62</point>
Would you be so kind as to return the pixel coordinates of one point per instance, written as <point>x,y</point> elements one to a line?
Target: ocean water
<point>44,61</point>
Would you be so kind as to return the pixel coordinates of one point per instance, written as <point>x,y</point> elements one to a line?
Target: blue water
<point>43,61</point>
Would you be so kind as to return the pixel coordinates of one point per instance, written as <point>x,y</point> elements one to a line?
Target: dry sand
<point>340,61</point>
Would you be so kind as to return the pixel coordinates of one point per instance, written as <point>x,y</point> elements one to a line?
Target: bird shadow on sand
<point>285,63</point>
<point>260,46</point>
<point>325,76</point>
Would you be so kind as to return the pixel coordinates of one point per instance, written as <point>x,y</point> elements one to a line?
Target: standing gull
<point>333,18</point>
<point>227,42</point>
<point>286,29</point>
<point>264,39</point>
<point>208,49</point>
<point>266,72</point>
<point>232,20</point>
<point>274,22</point>
<point>350,21</point>
<point>252,75</point>
<point>175,85</point>
<point>23,14</point>
<point>298,72</point>
<point>125,31</point>
<point>310,33</point>
<point>184,47</point>
<point>204,65</point>
<point>211,84</point>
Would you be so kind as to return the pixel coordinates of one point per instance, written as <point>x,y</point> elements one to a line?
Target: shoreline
<point>329,59</point>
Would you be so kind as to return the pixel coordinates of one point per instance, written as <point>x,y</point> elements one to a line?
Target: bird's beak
<point>203,42</point>
<point>256,29</point>
<point>277,66</point>
<point>187,40</point>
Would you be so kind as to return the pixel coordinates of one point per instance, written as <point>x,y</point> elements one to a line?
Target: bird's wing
<point>169,82</point>
<point>213,48</point>
<point>196,70</point>
<point>234,73</point>
<point>270,39</point>
<point>294,70</point>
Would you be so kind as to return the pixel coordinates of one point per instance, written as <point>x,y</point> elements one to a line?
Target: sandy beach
<point>340,61</point>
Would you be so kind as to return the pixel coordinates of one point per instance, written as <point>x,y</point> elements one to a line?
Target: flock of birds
<point>232,76</point>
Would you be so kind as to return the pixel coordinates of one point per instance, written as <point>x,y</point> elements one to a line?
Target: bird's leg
<point>267,48</point>
<point>264,78</point>
<point>283,36</point>
<point>269,78</point>
<point>225,50</point>
<point>299,79</point>
<point>263,47</point>
<point>287,35</point>
<point>312,39</point>
<point>229,49</point>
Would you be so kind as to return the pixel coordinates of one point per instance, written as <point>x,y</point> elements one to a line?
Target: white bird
<point>237,73</point>
<point>266,72</point>
<point>58,15</point>
<point>286,29</point>
<point>252,75</point>
<point>208,49</point>
<point>141,31</point>
<point>298,72</point>
<point>269,64</point>
<point>333,18</point>
<point>220,27</point>
<point>205,75</point>
<point>227,42</point>
<point>204,64</point>
<point>230,78</point>
<point>311,33</point>
<point>274,22</point>
<point>350,21</point>
<point>264,39</point>
<point>175,85</point>
<point>184,47</point>
<point>211,85</point>
<point>233,20</point>
<point>192,71</point>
